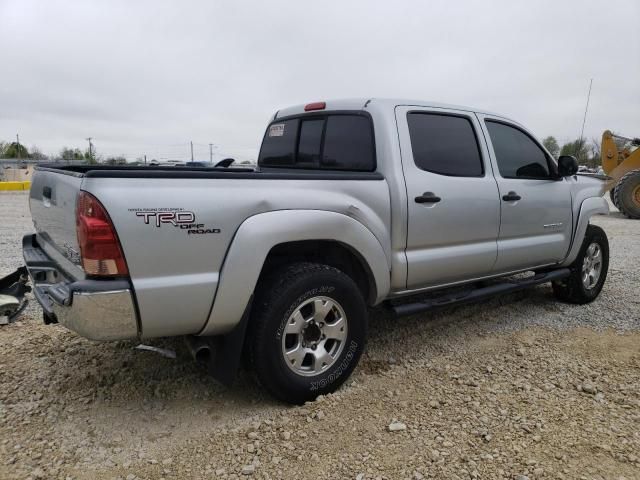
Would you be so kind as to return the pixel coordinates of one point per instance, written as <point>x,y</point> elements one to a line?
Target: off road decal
<point>176,217</point>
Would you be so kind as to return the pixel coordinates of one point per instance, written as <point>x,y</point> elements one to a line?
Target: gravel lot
<point>517,387</point>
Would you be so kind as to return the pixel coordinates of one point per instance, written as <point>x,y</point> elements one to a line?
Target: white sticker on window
<point>276,130</point>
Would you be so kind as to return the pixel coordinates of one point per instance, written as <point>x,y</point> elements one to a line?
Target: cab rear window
<point>321,142</point>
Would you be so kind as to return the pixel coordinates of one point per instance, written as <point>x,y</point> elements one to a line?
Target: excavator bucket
<point>621,161</point>
<point>13,288</point>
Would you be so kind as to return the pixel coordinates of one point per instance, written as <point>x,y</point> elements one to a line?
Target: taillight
<point>99,247</point>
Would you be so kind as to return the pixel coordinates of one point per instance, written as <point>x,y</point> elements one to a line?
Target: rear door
<point>453,207</point>
<point>536,217</point>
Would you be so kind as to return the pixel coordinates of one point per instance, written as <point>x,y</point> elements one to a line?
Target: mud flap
<point>13,288</point>
<point>228,350</point>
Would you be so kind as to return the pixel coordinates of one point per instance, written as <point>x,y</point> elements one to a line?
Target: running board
<point>479,293</point>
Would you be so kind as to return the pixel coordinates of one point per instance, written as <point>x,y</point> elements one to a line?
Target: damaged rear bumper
<point>95,309</point>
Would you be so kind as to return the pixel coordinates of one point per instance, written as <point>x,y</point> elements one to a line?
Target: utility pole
<point>211,153</point>
<point>191,150</point>
<point>90,147</point>
<point>18,148</point>
<point>145,158</point>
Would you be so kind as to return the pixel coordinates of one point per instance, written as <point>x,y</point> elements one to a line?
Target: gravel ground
<point>516,387</point>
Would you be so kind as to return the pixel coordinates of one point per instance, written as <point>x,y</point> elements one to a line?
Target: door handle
<point>511,197</point>
<point>427,197</point>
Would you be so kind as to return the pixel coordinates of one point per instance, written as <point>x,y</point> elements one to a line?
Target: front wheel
<point>627,194</point>
<point>308,331</point>
<point>612,196</point>
<point>588,271</point>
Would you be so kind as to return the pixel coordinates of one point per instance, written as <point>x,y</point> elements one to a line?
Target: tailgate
<point>53,208</point>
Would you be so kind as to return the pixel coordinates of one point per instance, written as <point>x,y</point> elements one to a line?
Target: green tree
<point>579,148</point>
<point>587,152</point>
<point>71,154</point>
<point>90,158</point>
<point>551,144</point>
<point>15,150</point>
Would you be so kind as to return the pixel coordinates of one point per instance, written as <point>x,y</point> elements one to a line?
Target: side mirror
<point>567,165</point>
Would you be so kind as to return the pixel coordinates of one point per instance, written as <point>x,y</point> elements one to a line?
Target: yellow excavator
<point>621,161</point>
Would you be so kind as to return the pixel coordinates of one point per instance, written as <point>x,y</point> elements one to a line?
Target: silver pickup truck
<point>354,203</point>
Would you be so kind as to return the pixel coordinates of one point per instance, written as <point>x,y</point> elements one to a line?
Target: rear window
<point>325,142</point>
<point>279,145</point>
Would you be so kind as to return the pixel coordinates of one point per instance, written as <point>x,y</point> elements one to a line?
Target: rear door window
<point>325,142</point>
<point>444,144</point>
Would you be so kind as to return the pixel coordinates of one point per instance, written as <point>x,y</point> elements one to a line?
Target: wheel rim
<point>636,195</point>
<point>592,266</point>
<point>314,336</point>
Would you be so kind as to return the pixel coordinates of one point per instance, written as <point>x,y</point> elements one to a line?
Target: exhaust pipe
<point>200,349</point>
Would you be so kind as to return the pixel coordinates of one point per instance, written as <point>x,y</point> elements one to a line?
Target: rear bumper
<point>95,309</point>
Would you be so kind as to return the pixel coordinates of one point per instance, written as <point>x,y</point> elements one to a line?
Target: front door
<point>453,205</point>
<point>536,217</point>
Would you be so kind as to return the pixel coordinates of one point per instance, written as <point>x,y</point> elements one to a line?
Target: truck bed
<point>175,268</point>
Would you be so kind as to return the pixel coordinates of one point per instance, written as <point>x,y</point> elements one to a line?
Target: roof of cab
<point>361,103</point>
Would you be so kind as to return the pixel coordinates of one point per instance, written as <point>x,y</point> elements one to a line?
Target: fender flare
<point>258,234</point>
<point>589,207</point>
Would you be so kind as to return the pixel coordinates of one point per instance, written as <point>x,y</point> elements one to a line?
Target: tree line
<point>586,151</point>
<point>15,150</point>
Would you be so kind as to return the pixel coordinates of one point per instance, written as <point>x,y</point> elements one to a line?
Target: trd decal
<point>176,217</point>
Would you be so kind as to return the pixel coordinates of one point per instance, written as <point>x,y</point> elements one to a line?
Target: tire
<point>322,295</point>
<point>612,195</point>
<point>627,194</point>
<point>577,289</point>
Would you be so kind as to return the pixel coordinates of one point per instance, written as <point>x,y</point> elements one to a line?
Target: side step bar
<point>479,293</point>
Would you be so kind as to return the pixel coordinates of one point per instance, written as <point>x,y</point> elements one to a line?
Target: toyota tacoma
<point>354,203</point>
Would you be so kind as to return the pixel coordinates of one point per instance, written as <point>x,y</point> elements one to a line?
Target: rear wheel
<point>588,271</point>
<point>308,330</point>
<point>627,194</point>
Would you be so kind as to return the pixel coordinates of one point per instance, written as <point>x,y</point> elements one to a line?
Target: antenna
<point>584,120</point>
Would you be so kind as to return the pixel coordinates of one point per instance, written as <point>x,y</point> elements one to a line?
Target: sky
<point>148,77</point>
